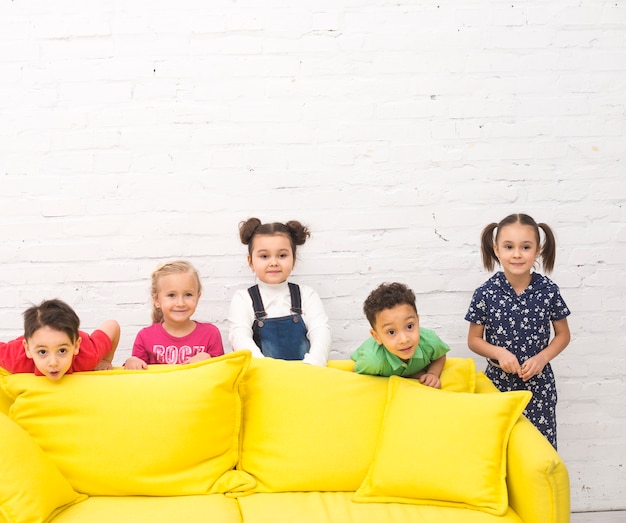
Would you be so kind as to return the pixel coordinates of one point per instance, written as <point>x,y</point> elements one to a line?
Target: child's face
<point>272,258</point>
<point>517,249</point>
<point>52,351</point>
<point>398,330</point>
<point>177,297</point>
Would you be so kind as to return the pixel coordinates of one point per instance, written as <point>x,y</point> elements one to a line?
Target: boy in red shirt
<point>52,345</point>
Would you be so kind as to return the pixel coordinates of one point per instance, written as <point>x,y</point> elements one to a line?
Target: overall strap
<point>296,299</point>
<point>257,302</point>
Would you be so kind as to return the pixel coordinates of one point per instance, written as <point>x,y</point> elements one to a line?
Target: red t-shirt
<point>92,349</point>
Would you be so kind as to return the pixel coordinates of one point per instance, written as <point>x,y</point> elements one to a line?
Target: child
<point>52,345</point>
<point>398,346</point>
<point>275,318</point>
<point>173,336</point>
<point>510,316</point>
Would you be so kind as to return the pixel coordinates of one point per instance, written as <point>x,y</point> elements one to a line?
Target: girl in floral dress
<point>511,315</point>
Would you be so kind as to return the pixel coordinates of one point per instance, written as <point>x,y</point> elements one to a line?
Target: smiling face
<point>177,296</point>
<point>272,258</point>
<point>398,330</point>
<point>52,351</point>
<point>517,248</point>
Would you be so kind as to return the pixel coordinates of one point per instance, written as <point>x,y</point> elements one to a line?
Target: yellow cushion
<point>5,401</point>
<point>318,507</point>
<point>458,375</point>
<point>308,428</point>
<point>215,508</point>
<point>166,431</point>
<point>31,487</point>
<point>341,364</point>
<point>442,448</point>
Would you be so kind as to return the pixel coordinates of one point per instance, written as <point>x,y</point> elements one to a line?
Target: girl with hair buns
<point>277,318</point>
<point>512,313</point>
<point>173,336</point>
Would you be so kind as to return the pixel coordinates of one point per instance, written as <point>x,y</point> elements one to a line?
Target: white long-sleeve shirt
<point>277,303</point>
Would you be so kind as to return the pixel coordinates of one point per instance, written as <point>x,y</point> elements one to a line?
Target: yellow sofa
<point>236,439</point>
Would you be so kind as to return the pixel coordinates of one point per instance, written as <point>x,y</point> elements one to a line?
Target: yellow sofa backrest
<point>181,430</point>
<point>171,430</point>
<point>308,428</point>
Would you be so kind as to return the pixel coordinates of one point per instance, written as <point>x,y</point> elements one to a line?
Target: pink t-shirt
<point>154,344</point>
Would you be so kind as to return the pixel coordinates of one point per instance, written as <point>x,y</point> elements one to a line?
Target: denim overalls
<point>282,338</point>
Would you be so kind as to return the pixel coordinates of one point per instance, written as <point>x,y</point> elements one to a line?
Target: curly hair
<point>387,296</point>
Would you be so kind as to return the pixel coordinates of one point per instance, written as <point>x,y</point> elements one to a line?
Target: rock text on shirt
<point>171,354</point>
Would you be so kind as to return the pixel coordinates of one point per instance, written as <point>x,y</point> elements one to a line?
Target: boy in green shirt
<point>398,346</point>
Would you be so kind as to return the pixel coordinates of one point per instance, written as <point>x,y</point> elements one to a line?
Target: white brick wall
<point>134,132</point>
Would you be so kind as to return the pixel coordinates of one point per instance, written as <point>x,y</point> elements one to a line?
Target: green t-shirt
<point>373,358</point>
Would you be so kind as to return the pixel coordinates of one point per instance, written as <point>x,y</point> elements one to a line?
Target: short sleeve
<point>477,311</point>
<point>558,309</point>
<point>214,346</point>
<point>365,359</point>
<point>139,347</point>
<point>93,348</point>
<point>432,345</point>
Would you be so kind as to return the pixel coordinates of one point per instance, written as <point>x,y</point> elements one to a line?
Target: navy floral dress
<point>521,324</point>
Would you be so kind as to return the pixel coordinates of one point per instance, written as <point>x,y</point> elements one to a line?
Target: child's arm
<point>136,361</point>
<point>318,329</point>
<point>432,376</point>
<point>366,360</point>
<point>507,360</point>
<point>240,321</point>
<point>201,356</point>
<point>533,366</point>
<point>211,339</point>
<point>112,329</point>
<point>320,339</point>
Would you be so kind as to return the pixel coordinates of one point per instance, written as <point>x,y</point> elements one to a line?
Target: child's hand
<point>532,366</point>
<point>104,365</point>
<point>430,380</point>
<point>135,363</point>
<point>201,356</point>
<point>508,363</point>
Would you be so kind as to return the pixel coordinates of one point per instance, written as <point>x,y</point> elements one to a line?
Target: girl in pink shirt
<point>173,336</point>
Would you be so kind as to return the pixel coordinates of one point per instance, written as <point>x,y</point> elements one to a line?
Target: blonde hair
<point>165,269</point>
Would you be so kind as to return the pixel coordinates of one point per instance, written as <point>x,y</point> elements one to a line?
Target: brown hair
<point>387,296</point>
<point>165,269</point>
<point>55,314</point>
<point>293,229</point>
<point>487,240</point>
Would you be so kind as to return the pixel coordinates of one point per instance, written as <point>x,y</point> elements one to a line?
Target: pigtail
<point>293,229</point>
<point>247,230</point>
<point>548,249</point>
<point>486,247</point>
<point>298,232</point>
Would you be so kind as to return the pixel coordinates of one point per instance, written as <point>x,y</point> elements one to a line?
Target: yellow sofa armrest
<point>537,478</point>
